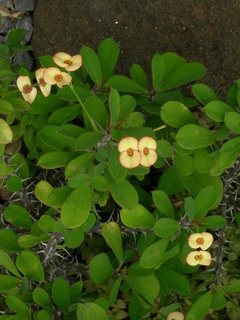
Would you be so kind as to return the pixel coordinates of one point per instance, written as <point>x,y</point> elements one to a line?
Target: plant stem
<point>83,107</point>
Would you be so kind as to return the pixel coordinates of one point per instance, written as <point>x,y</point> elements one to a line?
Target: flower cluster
<point>134,152</point>
<point>203,241</point>
<point>46,77</point>
<point>175,316</point>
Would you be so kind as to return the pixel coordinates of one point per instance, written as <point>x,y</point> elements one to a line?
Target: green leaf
<point>91,63</point>
<point>139,217</point>
<point>65,114</point>
<point>99,183</point>
<point>90,311</point>
<point>200,308</point>
<point>140,286</point>
<point>124,84</point>
<point>97,110</point>
<point>216,110</point>
<point>19,104</point>
<point>169,182</point>
<point>55,159</point>
<point>184,164</point>
<point>14,183</point>
<point>41,297</point>
<point>18,216</point>
<point>114,292</point>
<point>5,106</point>
<point>112,235</point>
<point>43,315</point>
<point>205,201</point>
<point>9,240</point>
<point>122,192</point>
<point>77,207</point>
<point>232,121</point>
<point>30,265</point>
<point>47,223</point>
<point>108,52</point>
<point>193,136</point>
<point>218,299</point>
<point>57,197</point>
<point>4,51</point>
<point>135,119</point>
<point>6,75</point>
<point>114,105</point>
<point>189,206</point>
<point>166,227</point>
<point>42,191</point>
<point>81,162</point>
<point>157,70</point>
<point>127,105</point>
<point>186,73</point>
<point>27,241</point>
<point>15,37</point>
<point>235,287</point>
<point>202,160</point>
<point>88,140</point>
<point>138,75</point>
<point>100,269</point>
<point>7,283</point>
<point>17,305</point>
<point>73,238</point>
<point>163,203</point>
<point>6,261</point>
<point>76,291</point>
<point>213,222</point>
<point>203,93</point>
<point>116,169</point>
<point>164,149</point>
<point>177,282</point>
<point>43,105</point>
<point>152,256</point>
<point>229,153</point>
<point>61,294</point>
<point>6,134</point>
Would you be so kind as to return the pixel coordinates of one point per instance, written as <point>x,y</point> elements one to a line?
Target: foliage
<point>84,237</point>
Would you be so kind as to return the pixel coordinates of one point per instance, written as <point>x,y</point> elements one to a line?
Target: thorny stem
<point>83,107</point>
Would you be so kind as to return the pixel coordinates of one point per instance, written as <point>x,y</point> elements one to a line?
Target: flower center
<point>200,241</point>
<point>146,151</point>
<point>130,152</point>
<point>42,82</point>
<point>27,88</point>
<point>58,77</point>
<point>69,62</point>
<point>198,257</point>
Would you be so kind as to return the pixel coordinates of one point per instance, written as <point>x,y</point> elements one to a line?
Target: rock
<point>24,56</point>
<point>6,3</point>
<point>26,24</point>
<point>202,31</point>
<point>24,5</point>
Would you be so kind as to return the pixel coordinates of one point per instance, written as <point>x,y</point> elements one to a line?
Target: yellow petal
<point>22,81</point>
<point>191,258</point>
<point>65,81</point>
<point>126,143</point>
<point>192,240</point>
<point>175,316</point>
<point>207,240</point>
<point>148,142</point>
<point>30,97</point>
<point>39,73</point>
<point>149,159</point>
<point>76,63</point>
<point>60,57</point>
<point>130,161</point>
<point>206,258</point>
<point>45,89</point>
<point>49,75</point>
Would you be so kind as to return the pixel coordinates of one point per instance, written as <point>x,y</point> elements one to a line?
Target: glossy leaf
<point>229,153</point>
<point>112,235</point>
<point>193,136</point>
<point>203,93</point>
<point>100,269</point>
<point>18,216</point>
<point>42,191</point>
<point>152,257</point>
<point>125,84</point>
<point>138,75</point>
<point>61,294</point>
<point>77,207</point>
<point>28,240</point>
<point>41,297</point>
<point>55,159</point>
<point>205,201</point>
<point>139,217</point>
<point>163,203</point>
<point>7,263</point>
<point>88,140</point>
<point>7,283</point>
<point>108,52</point>
<point>9,240</point>
<point>157,70</point>
<point>90,311</point>
<point>91,63</point>
<point>213,222</point>
<point>200,308</point>
<point>30,265</point>
<point>232,121</point>
<point>6,134</point>
<point>17,305</point>
<point>116,169</point>
<point>97,110</point>
<point>166,227</point>
<point>216,110</point>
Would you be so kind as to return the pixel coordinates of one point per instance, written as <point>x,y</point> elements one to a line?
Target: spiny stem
<point>83,107</point>
<point>161,127</point>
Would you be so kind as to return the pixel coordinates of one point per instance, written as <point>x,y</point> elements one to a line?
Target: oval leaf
<point>30,265</point>
<point>165,227</point>
<point>152,257</point>
<point>6,134</point>
<point>112,235</point>
<point>140,217</point>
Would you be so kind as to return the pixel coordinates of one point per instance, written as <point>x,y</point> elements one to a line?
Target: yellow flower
<point>175,316</point>
<point>28,91</point>
<point>199,257</point>
<point>147,147</point>
<point>55,76</point>
<point>129,155</point>
<point>44,87</point>
<point>69,63</point>
<point>200,240</point>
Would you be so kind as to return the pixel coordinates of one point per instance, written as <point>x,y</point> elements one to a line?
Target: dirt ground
<point>205,31</point>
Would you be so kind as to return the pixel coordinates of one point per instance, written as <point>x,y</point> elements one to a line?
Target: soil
<point>205,31</point>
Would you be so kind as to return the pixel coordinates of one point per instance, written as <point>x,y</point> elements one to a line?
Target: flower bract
<point>200,240</point>
<point>129,157</point>
<point>68,62</point>
<point>175,316</point>
<point>147,147</point>
<point>55,76</point>
<point>199,257</point>
<point>28,91</point>
<point>44,87</point>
